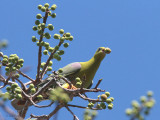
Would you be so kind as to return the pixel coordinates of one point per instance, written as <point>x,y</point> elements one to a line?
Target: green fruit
<point>17,75</point>
<point>59,58</point>
<point>110,106</point>
<point>14,85</point>
<point>66,45</point>
<point>108,101</point>
<point>20,61</point>
<point>56,36</point>
<point>143,99</point>
<point>53,15</point>
<point>46,44</point>
<point>56,47</point>
<point>98,106</point>
<point>43,9</point>
<point>50,27</point>
<point>68,34</point>
<point>4,61</point>
<point>34,38</point>
<point>7,68</point>
<point>102,104</point>
<point>78,84</point>
<point>60,70</point>
<point>40,97</point>
<point>50,49</point>
<point>38,16</point>
<point>149,93</point>
<point>18,91</point>
<point>8,88</point>
<point>70,38</point>
<point>78,79</point>
<point>50,63</point>
<point>53,7</point>
<point>43,25</point>
<point>19,96</point>
<point>46,34</point>
<point>39,32</point>
<point>46,5</point>
<point>45,52</point>
<point>5,56</point>
<point>61,52</point>
<point>31,86</point>
<point>49,69</point>
<point>33,90</point>
<point>112,99</point>
<point>62,39</point>
<point>37,22</point>
<point>39,7</point>
<point>107,93</point>
<point>18,66</point>
<point>61,31</point>
<point>34,28</point>
<point>55,55</point>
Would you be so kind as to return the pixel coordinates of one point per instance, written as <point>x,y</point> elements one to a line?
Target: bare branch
<point>77,106</point>
<point>40,47</point>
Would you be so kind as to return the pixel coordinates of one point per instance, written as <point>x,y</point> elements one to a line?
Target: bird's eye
<point>98,49</point>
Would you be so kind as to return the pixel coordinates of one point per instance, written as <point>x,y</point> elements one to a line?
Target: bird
<point>84,70</point>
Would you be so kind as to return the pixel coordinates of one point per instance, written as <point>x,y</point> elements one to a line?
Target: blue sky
<point>131,28</point>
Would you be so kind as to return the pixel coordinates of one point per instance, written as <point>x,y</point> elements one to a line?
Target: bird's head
<point>101,53</point>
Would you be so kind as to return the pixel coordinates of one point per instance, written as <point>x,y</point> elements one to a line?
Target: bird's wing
<point>71,68</point>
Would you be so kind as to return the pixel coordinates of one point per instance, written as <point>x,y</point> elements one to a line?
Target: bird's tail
<point>18,104</point>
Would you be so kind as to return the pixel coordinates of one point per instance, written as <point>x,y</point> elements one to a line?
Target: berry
<point>56,36</point>
<point>34,28</point>
<point>50,49</point>
<point>45,52</point>
<point>49,69</point>
<point>31,86</point>
<point>7,68</point>
<point>60,70</point>
<point>110,106</point>
<point>53,7</point>
<point>62,39</point>
<point>40,97</point>
<point>34,39</point>
<point>107,93</point>
<point>33,90</point>
<point>43,64</point>
<point>78,84</point>
<point>53,15</point>
<point>50,63</point>
<point>43,25</point>
<point>61,52</point>
<point>39,7</point>
<point>50,27</point>
<point>66,45</point>
<point>70,38</point>
<point>38,16</point>
<point>43,9</point>
<point>68,34</point>
<point>56,47</point>
<point>46,5</point>
<point>61,31</point>
<point>20,61</point>
<point>19,96</point>
<point>78,79</point>
<point>37,22</point>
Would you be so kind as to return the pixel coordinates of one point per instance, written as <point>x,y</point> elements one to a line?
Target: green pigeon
<point>84,70</point>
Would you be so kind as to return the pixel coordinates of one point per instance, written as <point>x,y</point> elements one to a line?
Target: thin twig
<point>75,117</point>
<point>93,100</point>
<point>40,106</point>
<point>77,106</point>
<point>98,84</point>
<point>22,85</point>
<point>24,75</point>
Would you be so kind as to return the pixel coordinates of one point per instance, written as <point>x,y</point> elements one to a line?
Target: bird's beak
<point>107,50</point>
